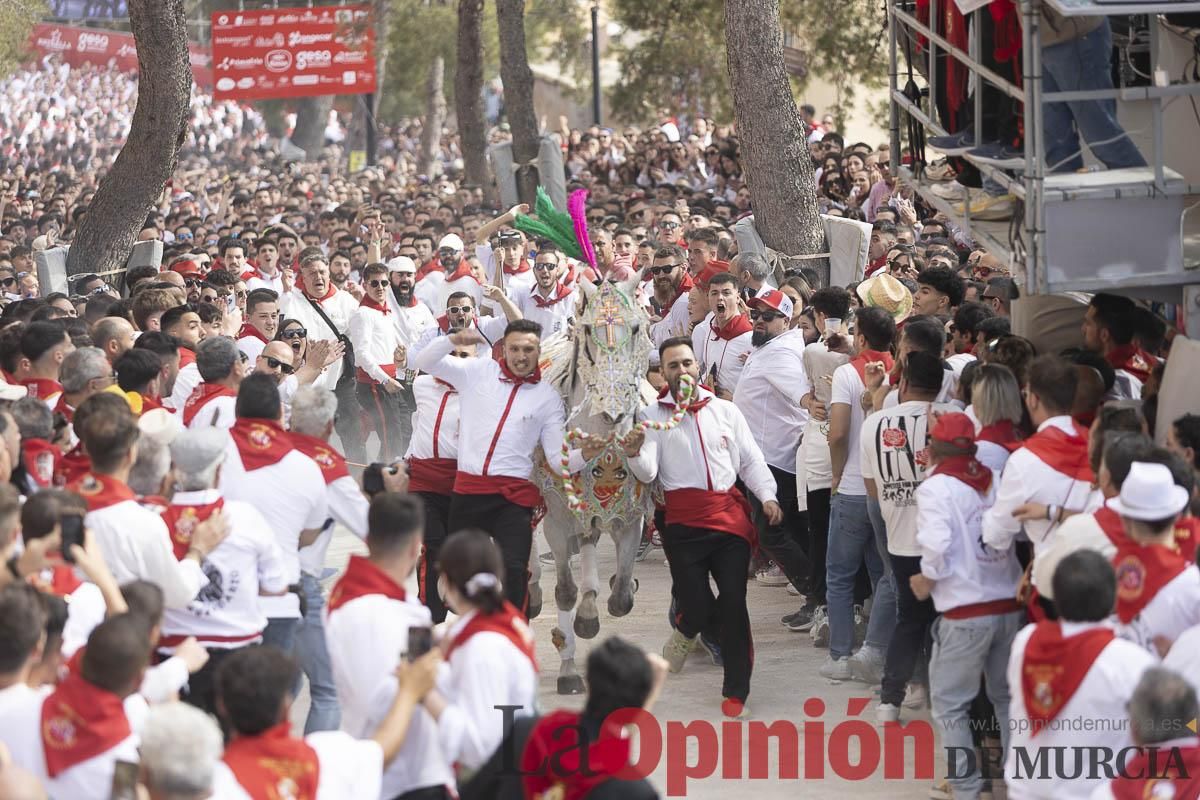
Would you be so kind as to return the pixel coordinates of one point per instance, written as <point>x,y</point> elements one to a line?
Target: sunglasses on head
<point>666,269</point>
<point>765,316</point>
<point>275,363</point>
<point>294,333</point>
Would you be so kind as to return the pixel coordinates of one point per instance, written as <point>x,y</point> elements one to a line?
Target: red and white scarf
<point>80,721</point>
<point>274,765</point>
<point>1054,666</point>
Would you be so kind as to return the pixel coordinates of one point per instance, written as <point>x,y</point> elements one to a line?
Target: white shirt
<point>491,328</point>
<point>410,321</point>
<point>433,290</point>
<point>958,362</point>
<point>260,280</point>
<point>339,307</point>
<point>1028,479</point>
<point>226,613</point>
<point>252,346</point>
<point>434,420</point>
<point>216,412</point>
<point>1173,609</point>
<point>187,380</point>
<point>1099,703</point>
<point>365,638</point>
<point>1077,532</point>
<point>290,494</point>
<point>484,672</point>
<point>500,422</point>
<point>136,545</point>
<point>375,339</point>
<point>949,521</point>
<point>768,395</point>
<point>85,610</point>
<point>708,450</point>
<point>847,390</point>
<point>676,322</point>
<point>1183,657</point>
<point>348,507</point>
<point>727,356</point>
<point>893,453</point>
<point>554,317</point>
<point>348,767</point>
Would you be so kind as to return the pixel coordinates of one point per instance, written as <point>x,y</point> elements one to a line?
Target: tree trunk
<point>435,118</point>
<point>518,95</point>
<point>382,45</point>
<point>468,95</point>
<point>135,182</point>
<point>312,117</point>
<point>774,155</point>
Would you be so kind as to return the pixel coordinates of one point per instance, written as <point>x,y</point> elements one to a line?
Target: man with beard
<point>549,302</point>
<point>721,341</point>
<point>453,275</point>
<point>460,313</point>
<point>340,268</point>
<point>768,395</point>
<point>672,282</point>
<point>612,265</point>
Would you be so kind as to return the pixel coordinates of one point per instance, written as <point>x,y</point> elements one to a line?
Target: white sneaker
<point>772,576</point>
<point>952,191</point>
<point>836,669</point>
<point>819,632</point>
<point>867,665</point>
<point>886,712</point>
<point>677,649</point>
<point>916,696</point>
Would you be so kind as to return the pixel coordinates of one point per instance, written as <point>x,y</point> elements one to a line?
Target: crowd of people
<point>975,522</point>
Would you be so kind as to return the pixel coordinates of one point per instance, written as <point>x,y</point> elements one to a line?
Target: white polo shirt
<point>768,395</point>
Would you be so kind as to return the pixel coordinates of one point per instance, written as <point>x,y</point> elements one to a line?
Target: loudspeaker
<point>551,175</point>
<point>52,270</point>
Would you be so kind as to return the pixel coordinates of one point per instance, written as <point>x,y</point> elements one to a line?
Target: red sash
<point>433,475</point>
<point>517,491</point>
<point>273,765</point>
<point>1054,666</point>
<point>732,329</point>
<point>42,388</point>
<point>249,330</point>
<point>1132,359</point>
<point>861,360</point>
<point>260,442</point>
<point>41,461</point>
<point>554,764</point>
<point>1147,772</point>
<point>362,578</point>
<point>1110,522</point>
<point>80,721</point>
<point>728,511</point>
<point>463,270</point>
<point>1143,570</point>
<point>1063,452</point>
<point>561,292</point>
<point>200,396</point>
<point>101,491</point>
<point>426,268</point>
<point>182,521</point>
<point>1002,432</point>
<point>331,462</point>
<point>966,469</point>
<point>508,622</point>
<point>519,270</point>
<point>59,580</point>
<point>367,302</point>
<point>72,466</point>
<point>186,356</point>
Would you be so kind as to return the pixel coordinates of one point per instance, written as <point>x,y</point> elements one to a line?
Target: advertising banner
<point>79,46</point>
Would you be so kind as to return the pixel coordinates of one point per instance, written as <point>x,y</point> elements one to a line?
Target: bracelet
<point>1051,512</point>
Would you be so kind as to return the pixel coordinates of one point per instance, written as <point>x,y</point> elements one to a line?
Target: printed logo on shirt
<point>217,594</point>
<point>1131,578</point>
<point>902,457</point>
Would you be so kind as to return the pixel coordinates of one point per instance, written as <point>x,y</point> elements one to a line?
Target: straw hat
<point>887,293</point>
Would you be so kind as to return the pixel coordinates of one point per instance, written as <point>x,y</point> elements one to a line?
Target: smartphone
<point>420,642</point>
<point>72,533</point>
<point>125,781</point>
<point>372,479</point>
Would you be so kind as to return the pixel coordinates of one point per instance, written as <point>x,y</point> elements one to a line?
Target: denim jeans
<point>964,649</point>
<point>883,607</point>
<point>1080,65</point>
<point>907,648</point>
<point>851,539</point>
<point>323,711</point>
<point>281,633</point>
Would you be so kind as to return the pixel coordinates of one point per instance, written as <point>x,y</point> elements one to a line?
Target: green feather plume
<point>550,224</point>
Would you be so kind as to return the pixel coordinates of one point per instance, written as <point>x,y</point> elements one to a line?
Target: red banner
<point>298,52</point>
<point>79,46</point>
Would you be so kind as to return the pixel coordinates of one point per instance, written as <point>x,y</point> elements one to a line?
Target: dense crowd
<point>976,521</point>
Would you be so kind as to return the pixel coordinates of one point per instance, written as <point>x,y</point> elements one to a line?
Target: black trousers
<point>910,638</point>
<point>201,688</point>
<point>437,518</point>
<point>694,554</point>
<point>348,423</point>
<point>510,525</point>
<point>818,542</point>
<point>383,410</point>
<point>787,542</point>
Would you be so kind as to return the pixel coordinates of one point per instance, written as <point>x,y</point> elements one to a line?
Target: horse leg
<point>623,584</point>
<point>587,620</point>
<point>563,636</point>
<point>535,580</point>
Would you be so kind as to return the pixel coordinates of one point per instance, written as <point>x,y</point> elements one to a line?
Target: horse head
<point>612,349</point>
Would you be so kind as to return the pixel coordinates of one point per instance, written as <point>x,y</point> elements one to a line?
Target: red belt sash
<point>434,475</point>
<point>728,511</point>
<point>517,491</point>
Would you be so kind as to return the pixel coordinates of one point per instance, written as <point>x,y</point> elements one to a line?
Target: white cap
<point>195,450</point>
<point>452,241</point>
<point>1149,493</point>
<point>159,425</point>
<point>401,264</point>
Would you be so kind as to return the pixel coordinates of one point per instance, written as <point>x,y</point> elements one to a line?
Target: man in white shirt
<point>22,639</point>
<point>851,534</point>
<point>768,394</point>
<point>549,302</point>
<point>221,367</point>
<point>708,526</point>
<point>375,340</point>
<point>671,281</point>
<point>1108,329</point>
<point>460,314</point>
<point>1065,675</point>
<point>44,344</point>
<point>261,323</point>
<point>452,275</point>
<point>368,621</point>
<point>721,340</point>
<point>267,273</point>
<point>506,411</point>
<point>225,615</point>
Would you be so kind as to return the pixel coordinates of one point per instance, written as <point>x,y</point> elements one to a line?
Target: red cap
<point>186,268</point>
<point>711,270</point>
<point>954,428</point>
<point>773,299</point>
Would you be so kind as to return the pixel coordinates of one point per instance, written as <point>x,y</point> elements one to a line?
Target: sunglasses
<point>765,316</point>
<point>668,226</point>
<point>377,284</point>
<point>275,363</point>
<point>190,282</point>
<point>184,237</point>
<point>294,333</point>
<point>666,269</point>
<point>596,220</point>
<point>98,290</point>
<point>8,281</point>
<point>544,267</point>
<point>459,310</point>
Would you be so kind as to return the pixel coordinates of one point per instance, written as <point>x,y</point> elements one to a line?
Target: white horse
<point>601,374</point>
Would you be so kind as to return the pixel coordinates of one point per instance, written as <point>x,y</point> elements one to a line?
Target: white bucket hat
<point>1149,493</point>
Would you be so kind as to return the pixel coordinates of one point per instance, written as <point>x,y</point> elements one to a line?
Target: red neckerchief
<point>61,407</point>
<point>331,462</point>
<point>667,399</point>
<point>1054,667</point>
<point>732,329</point>
<point>875,266</point>
<point>1146,773</point>
<point>1142,570</point>
<point>426,268</point>
<point>250,330</point>
<point>519,270</point>
<point>1110,522</point>
<point>59,580</point>
<point>966,469</point>
<point>367,302</point>
<point>328,294</point>
<point>1065,453</point>
<point>200,396</point>
<point>508,622</point>
<point>507,376</point>
<point>182,521</point>
<point>72,466</point>
<point>80,721</point>
<point>561,292</point>
<point>1134,360</point>
<point>685,285</point>
<point>362,578</point>
<point>150,403</point>
<point>463,270</point>
<point>101,491</point>
<point>41,460</point>
<point>274,760</point>
<point>554,762</point>
<point>1002,432</point>
<point>860,361</point>
<point>42,388</point>
<point>186,356</point>
<point>260,442</point>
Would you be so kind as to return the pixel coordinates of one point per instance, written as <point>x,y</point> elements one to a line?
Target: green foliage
<point>17,18</point>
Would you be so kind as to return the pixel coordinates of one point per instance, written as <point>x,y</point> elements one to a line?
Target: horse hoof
<point>570,684</point>
<point>534,606</point>
<point>619,606</point>
<point>612,580</point>
<point>587,627</point>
